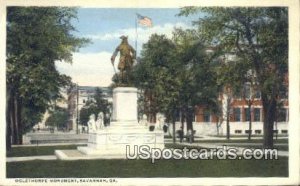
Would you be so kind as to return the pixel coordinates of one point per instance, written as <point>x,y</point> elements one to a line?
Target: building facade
<point>77,99</point>
<point>242,108</point>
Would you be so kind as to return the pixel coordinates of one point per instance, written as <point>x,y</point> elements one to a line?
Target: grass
<point>144,168</point>
<point>139,168</point>
<point>37,150</point>
<point>49,150</point>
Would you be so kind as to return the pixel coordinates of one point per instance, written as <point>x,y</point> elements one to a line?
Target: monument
<point>127,57</point>
<point>124,130</point>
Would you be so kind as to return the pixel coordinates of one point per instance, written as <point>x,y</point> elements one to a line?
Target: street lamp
<point>77,110</point>
<point>228,96</point>
<point>251,89</point>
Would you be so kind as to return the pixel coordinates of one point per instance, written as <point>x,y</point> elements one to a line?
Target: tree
<point>258,35</point>
<point>94,106</point>
<point>100,101</point>
<point>154,75</point>
<point>36,39</point>
<point>58,118</point>
<point>249,94</point>
<point>195,73</point>
<point>86,111</point>
<point>175,76</point>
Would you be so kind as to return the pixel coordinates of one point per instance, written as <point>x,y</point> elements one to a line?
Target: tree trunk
<point>13,120</point>
<point>218,126</point>
<point>182,120</point>
<point>250,121</point>
<point>16,124</point>
<point>227,119</point>
<point>8,124</point>
<point>189,123</point>
<point>269,109</point>
<point>174,128</point>
<point>227,127</point>
<point>20,124</point>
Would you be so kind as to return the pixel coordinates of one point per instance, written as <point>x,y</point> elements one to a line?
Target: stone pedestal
<point>125,104</point>
<point>124,130</point>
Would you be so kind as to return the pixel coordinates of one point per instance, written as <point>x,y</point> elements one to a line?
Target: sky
<point>103,26</point>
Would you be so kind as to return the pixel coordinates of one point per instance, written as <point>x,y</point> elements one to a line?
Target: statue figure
<point>92,123</point>
<point>144,120</point>
<point>161,121</point>
<point>100,121</point>
<point>127,57</point>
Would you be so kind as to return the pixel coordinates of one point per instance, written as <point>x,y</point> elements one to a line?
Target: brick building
<point>239,115</point>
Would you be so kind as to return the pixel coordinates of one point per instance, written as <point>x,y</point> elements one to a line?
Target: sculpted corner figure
<point>91,123</point>
<point>100,121</point>
<point>144,121</point>
<point>127,57</point>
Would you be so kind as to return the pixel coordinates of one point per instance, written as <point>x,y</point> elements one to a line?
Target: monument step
<point>77,155</point>
<point>133,122</point>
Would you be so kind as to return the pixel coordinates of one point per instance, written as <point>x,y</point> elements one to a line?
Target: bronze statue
<point>127,57</point>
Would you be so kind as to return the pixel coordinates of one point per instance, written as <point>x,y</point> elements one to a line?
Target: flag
<point>144,21</point>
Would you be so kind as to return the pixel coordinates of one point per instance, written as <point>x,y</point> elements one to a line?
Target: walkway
<point>30,158</point>
<point>167,141</point>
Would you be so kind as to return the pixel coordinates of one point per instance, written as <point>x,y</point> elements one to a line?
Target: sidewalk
<point>167,141</point>
<point>30,158</point>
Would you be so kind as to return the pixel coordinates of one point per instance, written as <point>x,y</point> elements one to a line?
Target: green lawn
<point>144,168</point>
<point>49,150</point>
<point>37,150</point>
<point>139,168</point>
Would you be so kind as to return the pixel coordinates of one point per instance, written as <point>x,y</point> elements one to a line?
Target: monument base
<point>111,143</point>
<point>124,132</point>
<point>114,139</point>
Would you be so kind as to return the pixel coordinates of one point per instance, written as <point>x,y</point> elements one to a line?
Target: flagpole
<point>136,35</point>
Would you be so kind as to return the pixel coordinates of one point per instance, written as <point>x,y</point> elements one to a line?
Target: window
<point>193,117</point>
<point>238,131</point>
<point>257,95</point>
<point>206,117</point>
<point>247,91</point>
<point>281,115</point>
<point>247,114</point>
<point>257,131</point>
<point>256,114</point>
<point>250,92</point>
<point>237,114</point>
